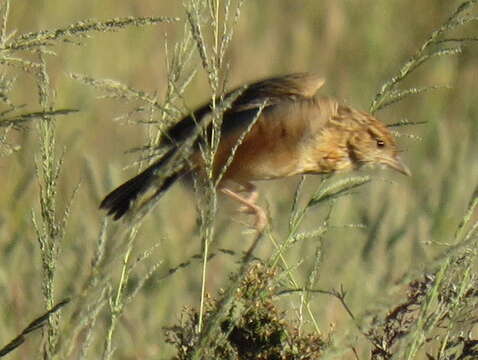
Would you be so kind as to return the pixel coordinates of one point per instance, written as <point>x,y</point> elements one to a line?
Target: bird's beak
<point>397,164</point>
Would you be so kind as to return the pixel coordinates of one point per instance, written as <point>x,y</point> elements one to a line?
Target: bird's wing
<point>244,108</point>
<point>275,90</point>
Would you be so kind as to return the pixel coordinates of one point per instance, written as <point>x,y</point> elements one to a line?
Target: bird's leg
<point>249,205</point>
<point>252,196</point>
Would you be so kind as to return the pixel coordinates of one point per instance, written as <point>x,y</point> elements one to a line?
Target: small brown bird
<point>275,128</point>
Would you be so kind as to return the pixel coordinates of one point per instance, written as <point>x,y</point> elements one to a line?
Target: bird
<point>271,129</point>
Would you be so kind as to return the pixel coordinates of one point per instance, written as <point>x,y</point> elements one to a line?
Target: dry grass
<point>374,266</point>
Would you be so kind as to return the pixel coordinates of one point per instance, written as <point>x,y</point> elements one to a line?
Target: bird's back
<point>247,102</point>
<point>276,144</point>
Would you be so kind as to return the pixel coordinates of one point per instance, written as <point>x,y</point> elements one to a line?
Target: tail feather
<point>119,201</point>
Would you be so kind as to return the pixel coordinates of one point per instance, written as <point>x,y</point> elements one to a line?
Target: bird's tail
<point>120,200</point>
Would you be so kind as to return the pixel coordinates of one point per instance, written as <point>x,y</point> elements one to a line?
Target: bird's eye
<point>380,143</point>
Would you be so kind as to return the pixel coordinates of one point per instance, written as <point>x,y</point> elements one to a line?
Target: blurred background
<point>384,232</point>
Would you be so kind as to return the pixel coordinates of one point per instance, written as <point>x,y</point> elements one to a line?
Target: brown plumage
<point>297,132</point>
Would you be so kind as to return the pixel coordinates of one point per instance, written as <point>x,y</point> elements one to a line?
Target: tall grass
<point>359,265</point>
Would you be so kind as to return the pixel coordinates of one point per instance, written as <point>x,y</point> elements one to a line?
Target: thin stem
<point>117,305</point>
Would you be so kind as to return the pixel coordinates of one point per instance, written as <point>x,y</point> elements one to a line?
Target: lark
<point>274,128</point>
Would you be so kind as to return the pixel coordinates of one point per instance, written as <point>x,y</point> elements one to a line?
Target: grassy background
<point>356,45</point>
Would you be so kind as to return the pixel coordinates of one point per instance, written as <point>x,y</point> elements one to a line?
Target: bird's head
<point>370,142</point>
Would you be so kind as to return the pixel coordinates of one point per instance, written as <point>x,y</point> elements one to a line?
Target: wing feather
<point>244,108</point>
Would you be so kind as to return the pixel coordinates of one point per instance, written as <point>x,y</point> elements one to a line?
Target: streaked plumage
<point>297,132</point>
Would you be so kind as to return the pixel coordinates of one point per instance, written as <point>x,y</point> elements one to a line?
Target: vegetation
<point>354,266</point>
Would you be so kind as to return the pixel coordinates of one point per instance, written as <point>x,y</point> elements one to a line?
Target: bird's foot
<point>250,207</point>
